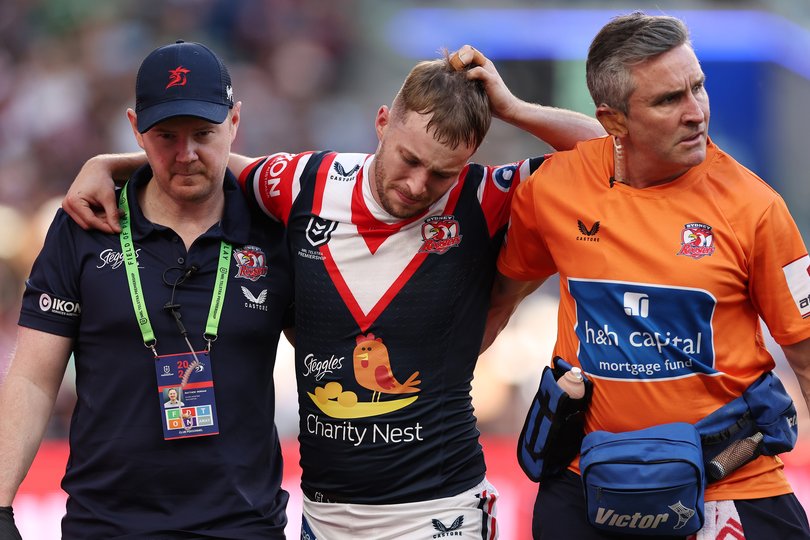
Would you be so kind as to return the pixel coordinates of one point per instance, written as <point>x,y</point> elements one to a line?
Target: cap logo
<point>177,76</point>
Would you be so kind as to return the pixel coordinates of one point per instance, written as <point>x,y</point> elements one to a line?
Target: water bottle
<point>573,383</point>
<point>734,456</point>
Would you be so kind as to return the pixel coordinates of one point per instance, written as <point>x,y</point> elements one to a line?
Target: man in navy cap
<point>170,303</point>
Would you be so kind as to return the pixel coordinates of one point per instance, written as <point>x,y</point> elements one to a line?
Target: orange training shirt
<point>662,288</point>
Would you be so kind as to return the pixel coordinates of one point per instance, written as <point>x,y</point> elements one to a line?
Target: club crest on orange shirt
<point>697,240</point>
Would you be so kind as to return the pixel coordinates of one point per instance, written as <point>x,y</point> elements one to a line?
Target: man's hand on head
<point>467,55</point>
<point>481,68</point>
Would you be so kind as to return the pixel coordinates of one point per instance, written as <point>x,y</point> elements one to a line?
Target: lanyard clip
<point>151,345</point>
<point>209,339</point>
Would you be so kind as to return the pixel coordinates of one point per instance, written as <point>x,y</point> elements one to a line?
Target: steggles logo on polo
<point>697,240</point>
<point>177,77</point>
<point>440,233</point>
<point>251,263</point>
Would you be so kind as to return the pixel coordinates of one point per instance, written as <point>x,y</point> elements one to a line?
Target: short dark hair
<point>626,41</point>
<point>459,106</point>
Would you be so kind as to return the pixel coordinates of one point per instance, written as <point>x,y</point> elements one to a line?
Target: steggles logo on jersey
<point>372,370</point>
<point>342,174</point>
<point>588,232</point>
<point>444,530</point>
<point>250,261</point>
<point>319,230</point>
<point>503,176</point>
<point>439,234</point>
<point>697,240</point>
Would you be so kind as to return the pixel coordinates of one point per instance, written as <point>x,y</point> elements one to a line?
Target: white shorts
<point>470,514</point>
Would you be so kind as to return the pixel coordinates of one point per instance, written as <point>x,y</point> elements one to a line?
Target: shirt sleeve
<point>780,275</point>
<point>498,187</point>
<point>273,183</point>
<point>51,300</point>
<point>525,254</point>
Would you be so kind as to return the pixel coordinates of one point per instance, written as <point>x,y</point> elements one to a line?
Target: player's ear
<point>382,120</point>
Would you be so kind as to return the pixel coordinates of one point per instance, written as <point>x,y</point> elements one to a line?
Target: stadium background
<point>311,75</point>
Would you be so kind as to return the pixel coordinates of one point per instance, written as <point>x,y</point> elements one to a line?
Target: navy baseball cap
<point>182,79</point>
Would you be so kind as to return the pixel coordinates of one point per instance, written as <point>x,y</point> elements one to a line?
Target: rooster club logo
<point>439,233</point>
<point>177,76</point>
<point>697,240</point>
<point>251,263</point>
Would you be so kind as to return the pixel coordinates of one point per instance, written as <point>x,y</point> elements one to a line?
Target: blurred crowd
<point>68,69</point>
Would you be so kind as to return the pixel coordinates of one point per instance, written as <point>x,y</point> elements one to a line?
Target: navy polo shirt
<point>123,479</point>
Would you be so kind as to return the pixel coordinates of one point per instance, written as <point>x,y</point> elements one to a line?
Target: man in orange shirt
<point>668,252</point>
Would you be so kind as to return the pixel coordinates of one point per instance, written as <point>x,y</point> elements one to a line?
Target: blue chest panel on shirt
<point>641,331</point>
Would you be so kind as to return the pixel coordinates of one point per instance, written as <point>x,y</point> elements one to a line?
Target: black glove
<point>8,530</point>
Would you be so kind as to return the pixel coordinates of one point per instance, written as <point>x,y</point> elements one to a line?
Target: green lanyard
<point>136,291</point>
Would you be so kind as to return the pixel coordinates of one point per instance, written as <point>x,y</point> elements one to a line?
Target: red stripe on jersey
<point>373,231</point>
<point>365,320</point>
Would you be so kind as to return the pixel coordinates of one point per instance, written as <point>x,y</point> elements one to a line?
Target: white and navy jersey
<point>123,479</point>
<point>389,320</point>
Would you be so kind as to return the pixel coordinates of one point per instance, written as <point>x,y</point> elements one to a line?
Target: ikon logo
<point>59,306</point>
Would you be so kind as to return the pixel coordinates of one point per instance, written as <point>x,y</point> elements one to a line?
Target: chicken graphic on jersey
<point>372,369</point>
